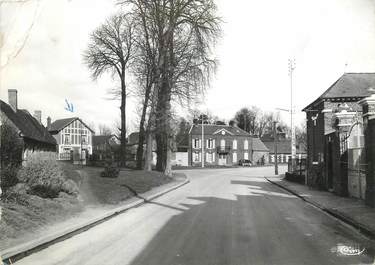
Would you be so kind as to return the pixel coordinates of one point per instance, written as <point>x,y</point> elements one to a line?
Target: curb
<point>11,255</point>
<point>347,220</point>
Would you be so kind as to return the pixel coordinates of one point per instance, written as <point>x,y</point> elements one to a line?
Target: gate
<point>356,162</point>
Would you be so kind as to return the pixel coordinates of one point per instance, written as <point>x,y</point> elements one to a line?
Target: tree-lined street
<point>224,216</point>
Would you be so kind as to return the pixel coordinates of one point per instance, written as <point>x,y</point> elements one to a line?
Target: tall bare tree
<point>111,50</point>
<point>185,31</point>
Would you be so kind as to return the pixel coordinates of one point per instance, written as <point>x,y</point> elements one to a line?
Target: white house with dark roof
<point>73,137</point>
<point>222,145</point>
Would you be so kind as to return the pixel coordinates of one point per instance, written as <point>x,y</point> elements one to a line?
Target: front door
<point>222,159</point>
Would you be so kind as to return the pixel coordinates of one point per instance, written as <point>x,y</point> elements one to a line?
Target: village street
<point>223,216</point>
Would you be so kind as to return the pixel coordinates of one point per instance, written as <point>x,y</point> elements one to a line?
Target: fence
<point>298,173</point>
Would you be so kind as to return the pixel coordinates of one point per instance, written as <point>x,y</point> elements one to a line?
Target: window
<point>210,157</point>
<point>246,155</point>
<point>234,144</point>
<point>67,139</point>
<point>196,143</point>
<point>246,145</point>
<point>210,143</point>
<point>234,157</point>
<point>84,139</point>
<point>197,157</point>
<point>76,139</point>
<point>222,144</point>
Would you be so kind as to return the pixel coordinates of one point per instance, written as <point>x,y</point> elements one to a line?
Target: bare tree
<point>111,50</point>
<point>104,130</point>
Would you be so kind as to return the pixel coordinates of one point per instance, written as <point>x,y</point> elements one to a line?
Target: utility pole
<point>275,148</point>
<point>202,158</point>
<point>292,66</point>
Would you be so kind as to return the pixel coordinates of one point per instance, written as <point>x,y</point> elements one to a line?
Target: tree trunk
<point>148,158</point>
<point>141,138</point>
<point>123,123</point>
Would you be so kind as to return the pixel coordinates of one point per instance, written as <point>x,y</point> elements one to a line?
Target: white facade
<point>76,137</point>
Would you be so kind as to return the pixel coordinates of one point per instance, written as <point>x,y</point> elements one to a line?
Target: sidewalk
<point>350,210</point>
<point>85,221</point>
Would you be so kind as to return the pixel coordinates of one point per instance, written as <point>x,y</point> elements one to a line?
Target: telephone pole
<point>292,66</point>
<point>275,148</point>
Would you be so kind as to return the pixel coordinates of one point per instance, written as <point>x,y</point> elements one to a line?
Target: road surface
<point>223,217</point>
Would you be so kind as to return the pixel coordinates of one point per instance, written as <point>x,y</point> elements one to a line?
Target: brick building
<point>223,145</point>
<point>321,129</point>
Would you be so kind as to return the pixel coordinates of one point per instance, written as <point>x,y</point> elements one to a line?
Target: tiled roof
<point>210,129</point>
<point>27,124</point>
<point>284,147</point>
<point>60,124</point>
<point>100,139</point>
<point>349,85</point>
<point>258,145</point>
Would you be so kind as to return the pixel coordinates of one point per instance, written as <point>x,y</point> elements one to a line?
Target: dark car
<point>245,163</point>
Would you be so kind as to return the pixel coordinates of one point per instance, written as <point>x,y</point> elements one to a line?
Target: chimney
<point>48,123</point>
<point>38,116</point>
<point>12,98</point>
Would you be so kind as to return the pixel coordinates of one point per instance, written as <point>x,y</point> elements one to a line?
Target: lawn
<point>26,216</point>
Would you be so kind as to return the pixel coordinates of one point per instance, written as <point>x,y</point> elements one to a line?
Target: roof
<point>284,147</point>
<point>258,145</point>
<point>349,85</point>
<point>211,129</point>
<point>101,139</point>
<point>60,124</point>
<point>27,124</point>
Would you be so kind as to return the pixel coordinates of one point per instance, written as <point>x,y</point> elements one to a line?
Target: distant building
<point>284,148</point>
<point>35,137</point>
<point>105,145</point>
<point>180,155</point>
<point>222,145</point>
<point>74,138</point>
<point>261,152</point>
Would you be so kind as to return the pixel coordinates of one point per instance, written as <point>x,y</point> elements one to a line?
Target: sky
<point>42,42</point>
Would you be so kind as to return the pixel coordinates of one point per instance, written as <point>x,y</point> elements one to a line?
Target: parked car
<point>245,163</point>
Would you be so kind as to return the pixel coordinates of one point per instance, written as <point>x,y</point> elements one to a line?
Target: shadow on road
<point>268,228</point>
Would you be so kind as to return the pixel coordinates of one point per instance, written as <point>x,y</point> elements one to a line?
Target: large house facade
<point>73,137</point>
<point>222,145</point>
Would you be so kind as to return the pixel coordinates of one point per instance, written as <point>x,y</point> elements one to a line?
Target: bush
<point>8,177</point>
<point>10,146</point>
<point>44,176</point>
<point>110,172</point>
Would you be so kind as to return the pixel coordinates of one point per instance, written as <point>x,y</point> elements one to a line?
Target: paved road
<point>223,217</point>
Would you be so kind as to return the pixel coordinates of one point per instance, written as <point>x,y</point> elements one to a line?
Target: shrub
<point>8,177</point>
<point>10,146</point>
<point>110,172</point>
<point>44,176</point>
